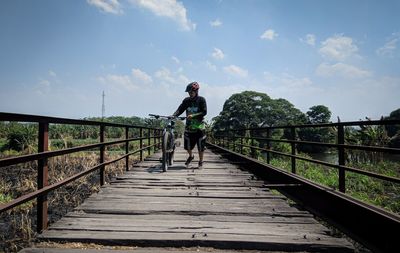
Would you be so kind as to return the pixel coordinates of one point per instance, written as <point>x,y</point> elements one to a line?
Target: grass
<point>370,190</point>
<point>19,224</point>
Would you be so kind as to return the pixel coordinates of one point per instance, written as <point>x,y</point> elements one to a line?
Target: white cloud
<point>141,76</point>
<point>168,8</point>
<point>341,70</point>
<point>216,23</point>
<point>287,82</point>
<point>338,48</point>
<point>390,47</point>
<point>175,59</point>
<point>269,35</point>
<point>109,6</point>
<point>52,73</point>
<point>118,82</point>
<point>236,71</point>
<point>132,82</point>
<point>168,78</point>
<point>218,54</point>
<point>309,39</point>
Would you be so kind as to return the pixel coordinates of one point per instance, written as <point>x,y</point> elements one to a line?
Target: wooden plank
<point>219,206</point>
<point>292,242</point>
<point>214,218</point>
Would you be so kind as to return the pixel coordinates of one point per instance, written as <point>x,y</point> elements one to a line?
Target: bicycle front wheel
<point>165,153</point>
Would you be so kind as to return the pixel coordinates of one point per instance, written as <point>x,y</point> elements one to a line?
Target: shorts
<point>193,138</point>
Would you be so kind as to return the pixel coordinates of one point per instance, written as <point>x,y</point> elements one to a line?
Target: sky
<point>57,57</point>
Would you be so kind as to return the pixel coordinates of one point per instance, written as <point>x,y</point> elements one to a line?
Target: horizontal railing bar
<point>359,171</point>
<point>48,154</point>
<point>54,120</point>
<point>47,189</point>
<point>350,123</point>
<point>332,145</point>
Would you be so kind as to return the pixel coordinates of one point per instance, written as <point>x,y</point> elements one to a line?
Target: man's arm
<point>182,107</point>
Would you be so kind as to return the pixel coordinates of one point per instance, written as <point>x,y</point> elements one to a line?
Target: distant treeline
<point>254,109</point>
<point>21,136</point>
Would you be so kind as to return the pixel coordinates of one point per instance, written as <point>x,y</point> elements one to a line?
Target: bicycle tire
<point>165,154</point>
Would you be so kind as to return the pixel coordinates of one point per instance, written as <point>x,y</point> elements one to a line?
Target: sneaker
<point>200,165</point>
<point>190,158</point>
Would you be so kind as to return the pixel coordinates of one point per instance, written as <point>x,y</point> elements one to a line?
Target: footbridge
<point>237,202</point>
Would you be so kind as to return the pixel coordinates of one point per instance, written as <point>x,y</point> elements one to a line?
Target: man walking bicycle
<point>196,108</point>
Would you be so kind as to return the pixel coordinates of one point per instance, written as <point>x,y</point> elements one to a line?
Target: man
<point>196,109</point>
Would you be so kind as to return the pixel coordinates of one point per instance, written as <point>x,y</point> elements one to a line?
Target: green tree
<point>21,137</point>
<point>252,109</point>
<point>317,114</point>
<point>393,131</point>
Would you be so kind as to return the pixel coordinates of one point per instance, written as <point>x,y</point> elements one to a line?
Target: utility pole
<point>103,108</point>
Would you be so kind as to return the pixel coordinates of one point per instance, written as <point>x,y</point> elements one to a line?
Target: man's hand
<point>189,116</point>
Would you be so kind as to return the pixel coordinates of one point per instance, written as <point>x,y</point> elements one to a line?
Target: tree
<point>252,109</point>
<point>21,137</point>
<point>393,129</point>
<point>317,114</point>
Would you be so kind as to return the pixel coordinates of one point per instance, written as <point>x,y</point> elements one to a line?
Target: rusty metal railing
<point>229,139</point>
<point>43,154</point>
<point>372,226</point>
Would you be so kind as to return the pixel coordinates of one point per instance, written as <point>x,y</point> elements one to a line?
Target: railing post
<point>268,145</point>
<point>293,135</point>
<point>43,176</point>
<point>127,148</point>
<point>141,144</point>
<point>341,155</point>
<point>148,142</point>
<point>102,152</point>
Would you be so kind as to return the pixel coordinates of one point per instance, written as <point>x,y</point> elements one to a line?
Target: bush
<point>21,137</point>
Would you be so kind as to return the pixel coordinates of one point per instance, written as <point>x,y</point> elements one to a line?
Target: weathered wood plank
<point>237,241</point>
<point>219,206</point>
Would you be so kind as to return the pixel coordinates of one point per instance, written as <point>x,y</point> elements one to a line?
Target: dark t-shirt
<point>197,107</point>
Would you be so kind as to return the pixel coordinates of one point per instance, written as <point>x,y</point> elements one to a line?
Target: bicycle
<point>168,140</point>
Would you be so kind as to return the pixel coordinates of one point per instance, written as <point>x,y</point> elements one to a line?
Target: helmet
<point>193,86</point>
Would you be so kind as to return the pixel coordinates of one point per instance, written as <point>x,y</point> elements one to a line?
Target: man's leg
<point>201,146</point>
<point>188,143</point>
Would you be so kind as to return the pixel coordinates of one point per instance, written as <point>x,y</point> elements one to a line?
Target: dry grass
<point>18,225</point>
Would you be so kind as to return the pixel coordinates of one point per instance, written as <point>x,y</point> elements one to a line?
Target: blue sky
<point>57,57</point>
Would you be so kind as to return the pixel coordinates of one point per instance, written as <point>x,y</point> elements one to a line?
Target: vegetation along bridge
<point>241,200</point>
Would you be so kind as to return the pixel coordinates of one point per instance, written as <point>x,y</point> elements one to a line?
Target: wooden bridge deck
<point>220,206</point>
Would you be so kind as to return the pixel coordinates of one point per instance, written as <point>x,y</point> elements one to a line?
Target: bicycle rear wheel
<point>165,153</point>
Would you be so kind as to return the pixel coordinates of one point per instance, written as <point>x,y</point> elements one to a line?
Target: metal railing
<point>231,139</point>
<point>43,154</point>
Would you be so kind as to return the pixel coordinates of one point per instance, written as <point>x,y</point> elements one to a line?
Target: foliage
<point>393,129</point>
<point>251,109</point>
<point>316,115</point>
<point>20,137</point>
<point>366,135</point>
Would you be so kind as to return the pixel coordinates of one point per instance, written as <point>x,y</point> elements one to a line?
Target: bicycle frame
<point>168,140</point>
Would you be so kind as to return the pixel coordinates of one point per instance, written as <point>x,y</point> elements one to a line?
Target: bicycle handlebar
<point>166,117</point>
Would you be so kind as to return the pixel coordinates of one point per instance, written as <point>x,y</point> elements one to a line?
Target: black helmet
<point>193,86</point>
